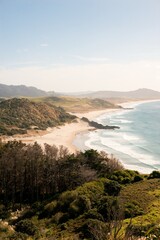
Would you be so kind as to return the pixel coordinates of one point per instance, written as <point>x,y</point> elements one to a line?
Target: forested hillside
<point>19,115</point>
<point>51,194</point>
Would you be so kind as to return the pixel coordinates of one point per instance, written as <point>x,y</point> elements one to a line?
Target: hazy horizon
<point>71,46</point>
<point>79,92</point>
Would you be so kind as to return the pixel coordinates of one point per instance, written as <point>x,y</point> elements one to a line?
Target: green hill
<point>19,115</point>
<point>82,196</point>
<point>73,104</point>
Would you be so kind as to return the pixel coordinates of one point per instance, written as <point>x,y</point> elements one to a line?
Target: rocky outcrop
<point>98,125</point>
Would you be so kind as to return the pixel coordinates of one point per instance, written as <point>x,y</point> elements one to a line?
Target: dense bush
<point>126,176</point>
<point>19,236</point>
<point>93,214</point>
<point>132,210</point>
<point>112,188</point>
<point>94,229</point>
<point>154,174</point>
<point>4,213</point>
<point>32,173</point>
<point>26,226</point>
<point>108,207</point>
<point>150,231</point>
<point>24,114</point>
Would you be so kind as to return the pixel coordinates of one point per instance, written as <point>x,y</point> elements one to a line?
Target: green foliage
<point>107,207</point>
<point>104,165</point>
<point>4,213</point>
<point>73,104</point>
<point>31,173</point>
<point>64,202</point>
<point>26,226</point>
<point>126,176</point>
<point>58,217</point>
<point>112,188</point>
<point>154,174</point>
<point>93,214</point>
<point>92,191</point>
<point>94,229</point>
<point>49,209</point>
<point>79,206</point>
<point>149,231</point>
<point>138,178</point>
<point>19,236</point>
<point>133,209</point>
<point>18,115</point>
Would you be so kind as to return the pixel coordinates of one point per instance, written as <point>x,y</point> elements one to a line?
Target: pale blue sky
<point>76,45</point>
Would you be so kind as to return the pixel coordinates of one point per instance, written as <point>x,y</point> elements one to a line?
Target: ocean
<point>136,144</point>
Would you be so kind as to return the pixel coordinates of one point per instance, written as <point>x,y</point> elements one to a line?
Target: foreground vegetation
<point>51,194</point>
<point>19,115</point>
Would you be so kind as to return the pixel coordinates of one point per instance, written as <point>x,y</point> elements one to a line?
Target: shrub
<point>49,209</point>
<point>93,214</point>
<point>26,226</point>
<point>154,174</point>
<point>66,199</point>
<point>132,210</point>
<point>94,229</point>
<point>58,217</point>
<point>19,236</point>
<point>112,188</point>
<point>79,206</point>
<point>138,178</point>
<point>108,207</point>
<point>92,190</point>
<point>3,212</point>
<point>126,176</point>
<point>150,231</point>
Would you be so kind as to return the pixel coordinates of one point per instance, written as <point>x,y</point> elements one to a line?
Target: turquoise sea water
<point>136,144</point>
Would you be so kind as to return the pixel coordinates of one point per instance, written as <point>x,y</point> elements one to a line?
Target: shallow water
<point>136,144</point>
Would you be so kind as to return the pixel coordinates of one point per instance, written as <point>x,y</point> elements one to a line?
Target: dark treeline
<point>29,173</point>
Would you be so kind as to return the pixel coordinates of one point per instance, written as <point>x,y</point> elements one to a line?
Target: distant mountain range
<point>20,91</point>
<point>142,93</point>
<point>7,91</point>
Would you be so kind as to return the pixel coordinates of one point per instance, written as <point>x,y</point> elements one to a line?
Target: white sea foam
<point>127,149</point>
<point>114,145</point>
<point>136,144</point>
<point>125,121</point>
<point>130,137</point>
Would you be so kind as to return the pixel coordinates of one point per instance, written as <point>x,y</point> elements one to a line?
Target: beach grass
<point>74,104</point>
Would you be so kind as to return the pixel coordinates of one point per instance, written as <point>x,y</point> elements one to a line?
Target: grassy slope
<point>53,221</point>
<point>21,114</point>
<point>145,194</point>
<point>72,104</point>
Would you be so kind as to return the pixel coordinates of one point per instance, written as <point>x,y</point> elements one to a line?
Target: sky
<point>80,45</point>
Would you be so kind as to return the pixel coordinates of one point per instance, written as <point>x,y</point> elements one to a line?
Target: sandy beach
<point>64,135</point>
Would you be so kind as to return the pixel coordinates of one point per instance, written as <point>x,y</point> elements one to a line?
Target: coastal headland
<point>65,134</point>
